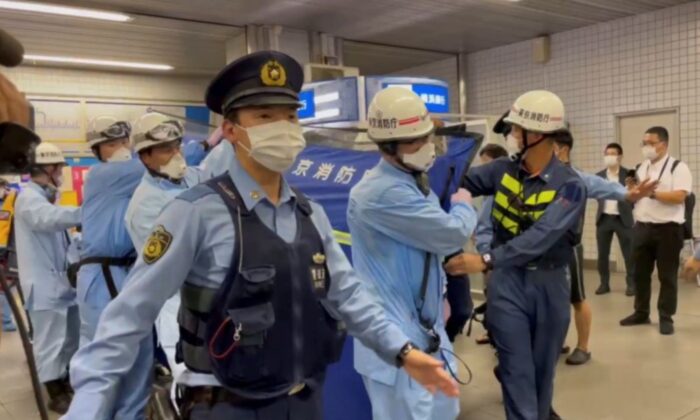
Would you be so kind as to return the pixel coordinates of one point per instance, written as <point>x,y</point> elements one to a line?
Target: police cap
<point>257,79</point>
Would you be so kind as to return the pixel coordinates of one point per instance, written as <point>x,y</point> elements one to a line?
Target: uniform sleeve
<point>416,221</point>
<point>352,300</point>
<point>601,189</point>
<point>43,216</point>
<point>140,218</point>
<point>484,228</point>
<point>682,178</point>
<point>558,218</point>
<point>115,178</point>
<point>482,180</point>
<point>96,369</point>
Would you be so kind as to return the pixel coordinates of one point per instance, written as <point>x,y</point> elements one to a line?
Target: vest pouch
<point>236,349</point>
<point>253,286</point>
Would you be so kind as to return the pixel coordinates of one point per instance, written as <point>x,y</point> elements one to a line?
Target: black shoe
<point>553,414</point>
<point>578,357</point>
<point>602,290</point>
<point>59,400</point>
<point>666,327</point>
<point>630,291</point>
<point>565,350</point>
<point>636,318</point>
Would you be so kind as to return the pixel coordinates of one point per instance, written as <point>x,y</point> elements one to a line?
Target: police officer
<point>157,140</point>
<point>265,288</point>
<point>42,242</point>
<point>538,202</point>
<point>400,234</point>
<point>107,251</point>
<point>7,205</point>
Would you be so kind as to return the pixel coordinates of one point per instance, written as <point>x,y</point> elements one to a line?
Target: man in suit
<point>614,217</point>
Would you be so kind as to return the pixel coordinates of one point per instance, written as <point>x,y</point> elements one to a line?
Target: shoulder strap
<point>675,163</point>
<point>224,186</point>
<point>424,291</point>
<point>303,202</point>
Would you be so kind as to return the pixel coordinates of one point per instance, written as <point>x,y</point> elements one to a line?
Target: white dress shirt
<point>648,210</point>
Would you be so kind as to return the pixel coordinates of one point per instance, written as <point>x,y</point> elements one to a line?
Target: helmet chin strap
<point>521,155</point>
<point>157,174</point>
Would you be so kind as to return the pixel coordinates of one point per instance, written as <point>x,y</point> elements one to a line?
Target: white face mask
<point>175,168</point>
<point>120,155</point>
<point>275,145</point>
<point>649,152</point>
<point>610,161</point>
<point>513,146</point>
<point>421,160</point>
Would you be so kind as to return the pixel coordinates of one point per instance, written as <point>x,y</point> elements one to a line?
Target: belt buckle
<point>296,389</point>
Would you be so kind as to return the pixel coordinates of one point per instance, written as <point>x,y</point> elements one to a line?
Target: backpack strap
<point>675,163</point>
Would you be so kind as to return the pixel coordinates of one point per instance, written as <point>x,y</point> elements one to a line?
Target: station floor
<point>635,373</point>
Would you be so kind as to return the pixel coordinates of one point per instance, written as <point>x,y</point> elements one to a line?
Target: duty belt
<point>105,263</point>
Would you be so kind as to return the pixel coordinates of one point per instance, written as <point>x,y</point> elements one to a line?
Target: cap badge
<point>273,74</point>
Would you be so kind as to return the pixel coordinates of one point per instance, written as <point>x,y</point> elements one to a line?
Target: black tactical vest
<point>264,330</point>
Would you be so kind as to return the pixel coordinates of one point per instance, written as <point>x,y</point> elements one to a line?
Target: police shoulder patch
<point>157,244</point>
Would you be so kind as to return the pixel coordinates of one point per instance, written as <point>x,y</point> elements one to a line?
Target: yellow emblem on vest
<point>319,258</point>
<point>273,74</point>
<point>157,244</point>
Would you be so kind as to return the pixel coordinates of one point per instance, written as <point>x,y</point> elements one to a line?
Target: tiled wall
<point>444,70</point>
<point>98,84</point>
<point>644,62</point>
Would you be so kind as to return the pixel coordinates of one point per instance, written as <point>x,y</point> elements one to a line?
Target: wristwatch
<point>488,261</point>
<point>407,348</point>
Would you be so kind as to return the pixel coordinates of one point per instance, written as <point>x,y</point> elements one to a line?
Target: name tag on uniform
<point>318,274</point>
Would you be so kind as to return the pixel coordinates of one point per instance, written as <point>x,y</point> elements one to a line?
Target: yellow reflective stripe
<point>343,238</point>
<point>542,197</point>
<point>535,215</point>
<point>506,222</point>
<point>512,184</point>
<point>502,200</point>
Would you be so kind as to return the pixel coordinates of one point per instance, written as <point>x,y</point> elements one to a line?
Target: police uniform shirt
<point>648,210</point>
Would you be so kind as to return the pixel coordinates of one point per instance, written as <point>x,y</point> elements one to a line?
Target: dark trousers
<point>607,226</point>
<point>660,244</point>
<point>461,305</point>
<point>307,405</point>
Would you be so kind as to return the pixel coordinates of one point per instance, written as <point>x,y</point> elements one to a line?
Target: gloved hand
<point>462,196</point>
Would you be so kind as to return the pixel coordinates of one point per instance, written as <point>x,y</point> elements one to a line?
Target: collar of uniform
<point>389,169</point>
<point>250,190</point>
<point>36,187</point>
<point>165,184</point>
<point>545,174</point>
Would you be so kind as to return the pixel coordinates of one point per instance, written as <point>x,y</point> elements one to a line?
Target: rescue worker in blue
<point>538,202</point>
<point>157,140</point>
<point>107,251</point>
<point>266,290</point>
<point>42,242</point>
<point>400,234</point>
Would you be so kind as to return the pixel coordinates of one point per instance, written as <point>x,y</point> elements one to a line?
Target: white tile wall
<point>99,84</point>
<point>643,62</point>
<point>444,70</point>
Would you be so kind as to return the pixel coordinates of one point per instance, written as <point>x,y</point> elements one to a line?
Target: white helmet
<point>155,128</point>
<point>397,114</point>
<point>48,154</point>
<point>103,129</point>
<point>540,111</point>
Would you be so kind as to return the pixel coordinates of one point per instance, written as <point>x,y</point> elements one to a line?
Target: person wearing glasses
<point>658,233</point>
